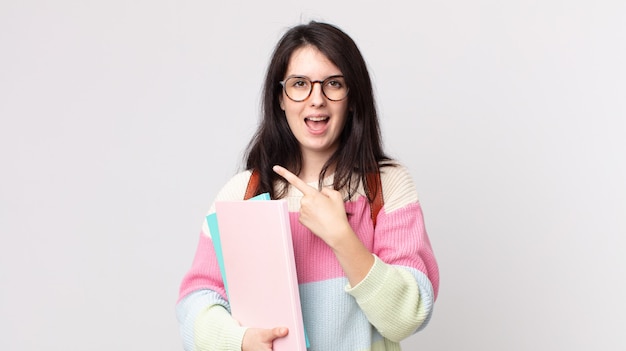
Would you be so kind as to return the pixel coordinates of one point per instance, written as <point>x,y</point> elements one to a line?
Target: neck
<point>312,164</point>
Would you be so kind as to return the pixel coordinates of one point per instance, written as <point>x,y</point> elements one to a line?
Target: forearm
<point>207,325</point>
<point>215,329</point>
<point>396,301</point>
<point>355,259</point>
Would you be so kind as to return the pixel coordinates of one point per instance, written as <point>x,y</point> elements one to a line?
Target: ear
<point>280,101</point>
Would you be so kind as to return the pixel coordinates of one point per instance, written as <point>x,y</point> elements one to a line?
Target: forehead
<point>310,62</point>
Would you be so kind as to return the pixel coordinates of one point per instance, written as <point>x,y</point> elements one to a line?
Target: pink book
<point>260,268</point>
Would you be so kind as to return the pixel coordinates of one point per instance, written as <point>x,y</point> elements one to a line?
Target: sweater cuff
<point>216,329</point>
<point>390,299</point>
<point>369,287</point>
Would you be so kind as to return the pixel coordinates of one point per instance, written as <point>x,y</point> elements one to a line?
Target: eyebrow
<point>309,78</point>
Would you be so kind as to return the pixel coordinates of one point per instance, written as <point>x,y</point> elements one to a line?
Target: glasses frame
<point>322,82</point>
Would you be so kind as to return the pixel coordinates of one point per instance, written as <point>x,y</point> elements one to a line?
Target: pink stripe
<point>400,239</point>
<point>204,272</point>
<point>315,260</point>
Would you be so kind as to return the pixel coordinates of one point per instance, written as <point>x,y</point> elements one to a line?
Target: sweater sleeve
<point>400,289</point>
<point>202,309</point>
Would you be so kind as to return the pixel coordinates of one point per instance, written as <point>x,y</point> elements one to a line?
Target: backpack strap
<point>374,191</point>
<point>375,194</point>
<point>253,185</point>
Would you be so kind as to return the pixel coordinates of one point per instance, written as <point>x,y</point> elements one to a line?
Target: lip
<point>317,118</point>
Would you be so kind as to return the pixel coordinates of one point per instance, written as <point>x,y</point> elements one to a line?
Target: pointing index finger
<point>294,180</point>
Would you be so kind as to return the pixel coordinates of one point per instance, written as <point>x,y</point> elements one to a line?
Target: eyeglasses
<point>299,88</point>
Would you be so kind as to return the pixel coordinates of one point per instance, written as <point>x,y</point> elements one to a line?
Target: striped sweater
<point>392,302</point>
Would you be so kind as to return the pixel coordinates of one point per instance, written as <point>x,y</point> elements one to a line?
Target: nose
<point>317,95</point>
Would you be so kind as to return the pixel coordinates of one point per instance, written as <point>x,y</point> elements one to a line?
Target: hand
<point>256,339</point>
<point>323,212</point>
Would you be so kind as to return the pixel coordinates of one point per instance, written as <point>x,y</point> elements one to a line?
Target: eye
<point>335,84</point>
<point>299,83</point>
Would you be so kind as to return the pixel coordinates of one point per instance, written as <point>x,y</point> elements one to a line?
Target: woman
<point>366,281</point>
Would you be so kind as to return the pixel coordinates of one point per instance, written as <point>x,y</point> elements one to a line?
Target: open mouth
<point>316,123</point>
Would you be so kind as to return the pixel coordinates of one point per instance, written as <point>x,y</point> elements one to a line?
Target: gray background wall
<point>119,121</point>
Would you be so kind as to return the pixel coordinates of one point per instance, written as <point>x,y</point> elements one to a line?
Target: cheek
<point>291,118</point>
<point>292,110</point>
<point>345,112</point>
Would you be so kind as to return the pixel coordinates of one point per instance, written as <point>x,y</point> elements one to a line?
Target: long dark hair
<point>360,148</point>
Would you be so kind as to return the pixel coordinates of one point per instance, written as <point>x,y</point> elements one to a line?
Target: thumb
<point>279,332</point>
<point>332,194</point>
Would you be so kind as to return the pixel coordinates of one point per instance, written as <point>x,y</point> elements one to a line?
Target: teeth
<point>317,119</point>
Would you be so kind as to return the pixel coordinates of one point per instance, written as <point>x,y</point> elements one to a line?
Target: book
<point>259,267</point>
<point>217,242</point>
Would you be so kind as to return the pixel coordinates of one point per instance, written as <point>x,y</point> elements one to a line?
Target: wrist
<point>342,238</point>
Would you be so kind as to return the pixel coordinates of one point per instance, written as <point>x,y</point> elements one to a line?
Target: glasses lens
<point>335,88</point>
<point>297,88</point>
